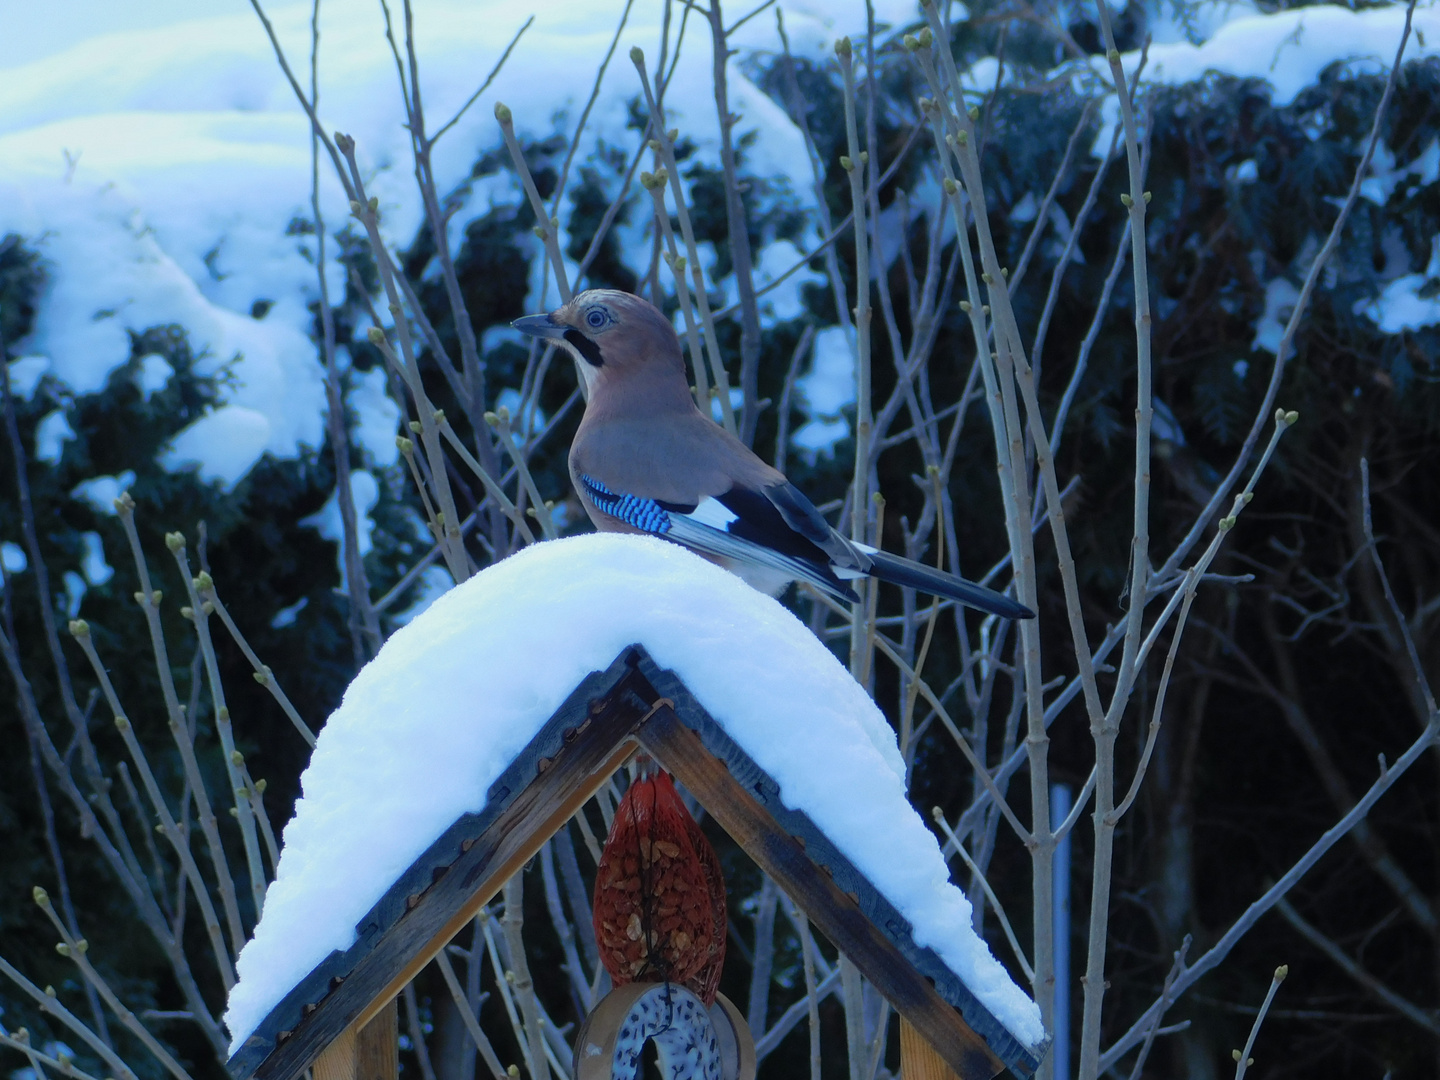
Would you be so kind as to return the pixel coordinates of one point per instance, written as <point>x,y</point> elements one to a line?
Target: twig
<point>939,816</point>
<point>1242,1057</point>
<point>1425,1020</point>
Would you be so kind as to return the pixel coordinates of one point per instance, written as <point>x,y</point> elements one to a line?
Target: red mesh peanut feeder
<point>659,913</point>
<point>659,906</point>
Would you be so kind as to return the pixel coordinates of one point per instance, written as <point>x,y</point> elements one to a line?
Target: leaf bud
<point>1292,417</point>
<point>82,946</point>
<point>49,991</point>
<point>174,541</point>
<point>122,724</point>
<point>344,142</point>
<point>1227,523</point>
<point>502,113</point>
<point>40,896</point>
<point>493,419</point>
<point>864,157</point>
<point>846,163</point>
<point>415,426</point>
<point>1126,201</point>
<point>973,112</point>
<point>951,187</point>
<point>842,48</point>
<point>540,231</point>
<point>236,758</point>
<point>262,677</point>
<point>637,55</point>
<point>404,445</point>
<point>911,43</point>
<point>1146,197</point>
<point>1282,971</point>
<point>62,948</point>
<point>357,208</point>
<point>187,612</point>
<point>203,581</point>
<point>962,138</point>
<point>234,811</point>
<point>261,785</point>
<point>79,628</point>
<point>926,38</point>
<point>1113,56</point>
<point>965,306</point>
<point>987,279</point>
<point>376,335</point>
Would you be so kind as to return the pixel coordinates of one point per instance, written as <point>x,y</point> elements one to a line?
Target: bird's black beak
<point>541,326</point>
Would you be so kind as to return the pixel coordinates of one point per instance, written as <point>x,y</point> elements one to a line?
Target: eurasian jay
<point>647,460</point>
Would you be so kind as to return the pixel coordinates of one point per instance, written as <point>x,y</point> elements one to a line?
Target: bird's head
<point>614,336</point>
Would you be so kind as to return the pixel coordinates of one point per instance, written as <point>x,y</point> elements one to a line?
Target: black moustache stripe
<point>587,348</point>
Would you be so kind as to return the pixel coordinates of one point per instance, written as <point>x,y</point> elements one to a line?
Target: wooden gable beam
<point>835,914</point>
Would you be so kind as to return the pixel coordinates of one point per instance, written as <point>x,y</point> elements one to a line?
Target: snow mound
<point>163,173</point>
<point>1289,49</point>
<point>453,697</point>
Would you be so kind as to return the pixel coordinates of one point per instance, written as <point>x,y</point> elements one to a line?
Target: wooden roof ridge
<point>590,735</point>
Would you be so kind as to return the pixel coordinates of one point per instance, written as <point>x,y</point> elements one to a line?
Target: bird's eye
<point>596,318</point>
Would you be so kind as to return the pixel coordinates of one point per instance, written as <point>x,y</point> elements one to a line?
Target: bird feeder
<point>340,1018</point>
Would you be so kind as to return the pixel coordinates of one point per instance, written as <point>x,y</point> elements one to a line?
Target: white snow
<point>154,374</point>
<point>156,170</point>
<point>102,491</point>
<point>377,417</point>
<point>1289,49</point>
<point>1280,298</point>
<point>1400,307</point>
<point>75,589</point>
<point>435,582</point>
<point>224,444</point>
<point>364,494</point>
<point>96,570</point>
<point>432,721</point>
<point>13,556</point>
<point>51,435</point>
<point>826,390</point>
<point>25,375</point>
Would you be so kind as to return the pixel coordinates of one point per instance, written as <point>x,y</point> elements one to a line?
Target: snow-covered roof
<point>451,699</point>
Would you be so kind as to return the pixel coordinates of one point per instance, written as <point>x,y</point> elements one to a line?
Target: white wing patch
<point>714,513</point>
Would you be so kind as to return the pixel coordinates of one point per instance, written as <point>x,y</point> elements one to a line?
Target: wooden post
<point>918,1059</point>
<point>371,1054</point>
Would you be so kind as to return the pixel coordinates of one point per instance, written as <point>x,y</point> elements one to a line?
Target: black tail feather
<point>900,571</point>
